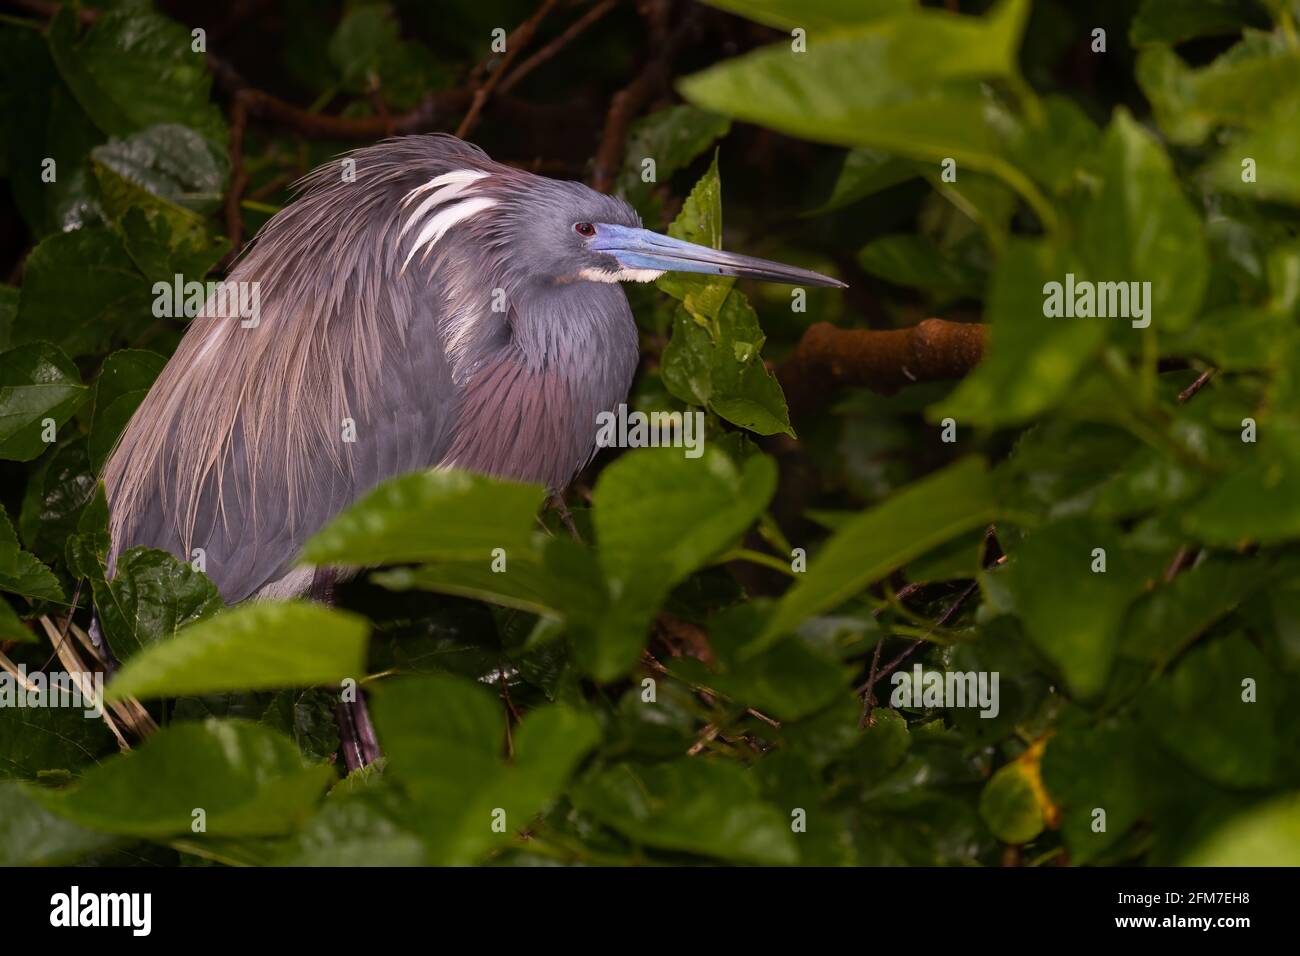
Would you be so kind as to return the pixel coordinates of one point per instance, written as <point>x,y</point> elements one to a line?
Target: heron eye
<point>584,229</point>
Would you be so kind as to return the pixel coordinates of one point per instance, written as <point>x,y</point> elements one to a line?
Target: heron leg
<point>357,738</point>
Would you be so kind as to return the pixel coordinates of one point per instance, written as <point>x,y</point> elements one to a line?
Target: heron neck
<point>582,331</point>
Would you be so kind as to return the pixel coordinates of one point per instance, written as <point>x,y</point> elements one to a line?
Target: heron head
<point>578,234</point>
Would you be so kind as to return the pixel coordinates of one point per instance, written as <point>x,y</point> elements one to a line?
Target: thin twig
<point>870,702</point>
<point>77,671</point>
<point>515,42</point>
<point>264,106</point>
<point>67,621</point>
<point>1187,393</point>
<point>709,733</point>
<point>1183,559</point>
<point>548,52</point>
<point>512,714</point>
<point>48,10</point>
<point>8,665</point>
<point>129,712</point>
<point>867,690</point>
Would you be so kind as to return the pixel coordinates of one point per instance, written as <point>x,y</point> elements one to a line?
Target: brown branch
<point>515,42</point>
<point>263,106</point>
<point>575,30</point>
<point>883,361</point>
<point>1190,391</point>
<point>867,690</point>
<point>48,10</point>
<point>629,101</point>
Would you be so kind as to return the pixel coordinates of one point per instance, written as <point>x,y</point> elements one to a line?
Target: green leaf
<point>109,300</point>
<point>22,572</point>
<point>132,69</point>
<point>982,199</point>
<point>152,596</point>
<point>124,381</point>
<point>705,807</point>
<point>865,172</point>
<point>1089,767</point>
<point>672,137</point>
<point>50,742</point>
<point>44,122</point>
<point>1204,714</point>
<point>247,780</point>
<point>1009,804</point>
<point>1267,835</point>
<point>354,830</point>
<point>660,515</point>
<point>788,681</point>
<point>171,162</point>
<point>38,385</point>
<point>1252,502</point>
<point>1173,21</point>
<point>817,15</point>
<point>1237,338</point>
<point>87,550</point>
<point>700,222</point>
<point>1237,89</point>
<point>12,627</point>
<point>1274,152</point>
<point>912,260</point>
<point>907,85</point>
<point>1059,150</point>
<point>524,583</point>
<point>253,647</point>
<point>721,368</point>
<point>162,238</point>
<point>443,515</point>
<point>30,835</point>
<point>714,356</point>
<point>370,54</point>
<point>1032,360</point>
<point>1070,611</point>
<point>1139,227</point>
<point>444,737</point>
<point>8,313</point>
<point>59,487</point>
<point>1163,623</point>
<point>880,539</point>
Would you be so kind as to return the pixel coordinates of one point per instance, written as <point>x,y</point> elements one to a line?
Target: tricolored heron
<point>451,310</point>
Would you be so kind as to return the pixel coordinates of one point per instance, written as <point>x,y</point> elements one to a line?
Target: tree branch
<point>574,30</point>
<point>883,361</point>
<point>629,101</point>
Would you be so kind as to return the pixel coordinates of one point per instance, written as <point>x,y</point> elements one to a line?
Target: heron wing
<point>257,433</point>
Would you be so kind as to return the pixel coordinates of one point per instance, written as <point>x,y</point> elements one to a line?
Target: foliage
<point>1083,515</point>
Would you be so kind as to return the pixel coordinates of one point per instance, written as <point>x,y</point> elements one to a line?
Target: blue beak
<point>643,249</point>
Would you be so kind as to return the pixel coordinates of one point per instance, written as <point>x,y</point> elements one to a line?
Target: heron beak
<point>642,249</point>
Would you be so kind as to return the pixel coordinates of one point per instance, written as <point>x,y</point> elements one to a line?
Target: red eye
<point>584,229</point>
